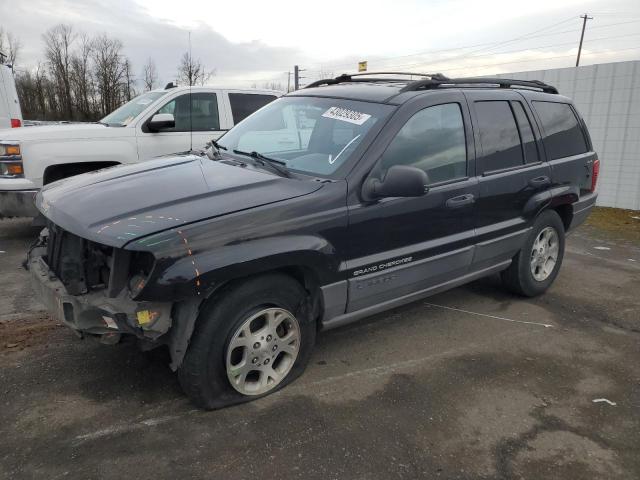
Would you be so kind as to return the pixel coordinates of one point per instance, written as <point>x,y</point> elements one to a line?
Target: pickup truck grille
<point>80,264</point>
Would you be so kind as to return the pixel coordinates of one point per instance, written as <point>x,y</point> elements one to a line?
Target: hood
<point>124,203</point>
<point>67,132</point>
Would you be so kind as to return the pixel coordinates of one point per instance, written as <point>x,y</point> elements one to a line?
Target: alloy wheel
<point>262,351</point>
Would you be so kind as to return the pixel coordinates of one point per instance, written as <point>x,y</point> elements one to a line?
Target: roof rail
<point>500,82</point>
<point>345,77</point>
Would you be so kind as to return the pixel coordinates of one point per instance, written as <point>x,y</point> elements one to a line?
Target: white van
<point>159,122</point>
<point>10,113</point>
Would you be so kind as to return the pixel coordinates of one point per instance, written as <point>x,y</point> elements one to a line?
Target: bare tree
<point>109,72</point>
<point>3,46</point>
<point>10,46</point>
<point>58,41</point>
<point>81,78</point>
<point>128,85</point>
<point>274,86</point>
<point>14,48</point>
<point>192,72</point>
<point>149,74</point>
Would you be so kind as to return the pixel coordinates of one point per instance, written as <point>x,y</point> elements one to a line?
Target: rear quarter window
<point>563,136</point>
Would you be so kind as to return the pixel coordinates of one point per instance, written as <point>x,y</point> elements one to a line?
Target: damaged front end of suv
<point>92,287</point>
<point>129,250</point>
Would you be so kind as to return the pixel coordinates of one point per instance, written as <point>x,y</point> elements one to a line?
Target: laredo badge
<point>346,115</point>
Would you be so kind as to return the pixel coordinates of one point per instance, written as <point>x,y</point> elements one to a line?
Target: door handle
<point>460,201</point>
<point>538,182</point>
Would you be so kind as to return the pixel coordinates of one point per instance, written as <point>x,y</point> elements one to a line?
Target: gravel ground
<point>470,384</point>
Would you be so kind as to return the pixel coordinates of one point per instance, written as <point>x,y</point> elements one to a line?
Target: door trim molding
<point>340,320</point>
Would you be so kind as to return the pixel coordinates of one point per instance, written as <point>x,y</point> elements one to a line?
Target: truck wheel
<point>536,266</point>
<point>257,338</point>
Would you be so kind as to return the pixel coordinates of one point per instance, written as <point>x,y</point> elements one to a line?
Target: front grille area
<point>80,264</point>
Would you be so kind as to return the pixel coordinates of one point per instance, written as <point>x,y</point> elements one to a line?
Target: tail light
<point>16,123</point>
<point>594,174</point>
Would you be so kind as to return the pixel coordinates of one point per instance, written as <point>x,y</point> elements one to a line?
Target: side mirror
<point>161,121</point>
<point>400,181</point>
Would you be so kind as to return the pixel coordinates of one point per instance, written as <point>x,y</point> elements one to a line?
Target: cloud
<point>143,36</point>
<point>251,42</point>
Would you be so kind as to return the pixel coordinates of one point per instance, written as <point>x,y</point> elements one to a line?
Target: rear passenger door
<point>514,181</point>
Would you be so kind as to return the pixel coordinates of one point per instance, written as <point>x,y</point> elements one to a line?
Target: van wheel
<point>257,338</point>
<point>536,266</point>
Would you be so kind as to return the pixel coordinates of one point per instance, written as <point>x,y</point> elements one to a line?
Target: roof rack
<point>500,82</point>
<point>348,77</point>
<point>435,80</point>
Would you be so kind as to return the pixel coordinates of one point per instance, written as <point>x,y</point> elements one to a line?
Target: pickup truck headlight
<point>10,160</point>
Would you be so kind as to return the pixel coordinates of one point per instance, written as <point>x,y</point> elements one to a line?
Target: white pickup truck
<point>155,123</point>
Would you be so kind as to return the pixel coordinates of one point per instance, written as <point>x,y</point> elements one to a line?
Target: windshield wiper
<point>217,145</point>
<point>212,150</point>
<point>277,165</point>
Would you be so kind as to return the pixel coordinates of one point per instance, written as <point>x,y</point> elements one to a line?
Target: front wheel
<point>253,340</point>
<point>536,266</point>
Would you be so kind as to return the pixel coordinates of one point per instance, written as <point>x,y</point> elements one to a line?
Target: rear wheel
<point>537,264</point>
<point>255,339</point>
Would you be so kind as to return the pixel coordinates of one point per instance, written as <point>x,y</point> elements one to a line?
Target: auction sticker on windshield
<point>346,115</point>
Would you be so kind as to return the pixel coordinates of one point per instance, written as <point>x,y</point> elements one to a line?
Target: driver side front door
<point>406,246</point>
<point>198,122</point>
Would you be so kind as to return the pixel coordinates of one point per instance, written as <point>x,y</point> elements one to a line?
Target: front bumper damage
<point>93,312</point>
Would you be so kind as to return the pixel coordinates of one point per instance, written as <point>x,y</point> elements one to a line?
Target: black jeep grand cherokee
<point>335,202</point>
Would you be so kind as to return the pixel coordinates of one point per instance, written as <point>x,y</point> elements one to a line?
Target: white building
<point>608,97</point>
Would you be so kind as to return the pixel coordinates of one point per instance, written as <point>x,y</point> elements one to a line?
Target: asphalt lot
<point>473,383</point>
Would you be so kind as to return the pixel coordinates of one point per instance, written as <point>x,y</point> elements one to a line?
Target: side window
<point>563,135</point>
<point>433,140</point>
<point>202,117</point>
<point>526,133</point>
<point>499,136</point>
<point>244,104</point>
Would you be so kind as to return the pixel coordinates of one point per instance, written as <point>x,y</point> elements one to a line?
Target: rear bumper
<point>582,208</point>
<point>18,203</point>
<point>94,313</point>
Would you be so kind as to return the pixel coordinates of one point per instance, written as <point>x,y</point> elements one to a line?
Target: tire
<point>522,277</point>
<point>210,365</point>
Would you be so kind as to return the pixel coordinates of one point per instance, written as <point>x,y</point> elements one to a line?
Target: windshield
<point>130,110</point>
<point>312,135</point>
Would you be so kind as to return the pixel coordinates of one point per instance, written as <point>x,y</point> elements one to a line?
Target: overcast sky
<point>258,42</point>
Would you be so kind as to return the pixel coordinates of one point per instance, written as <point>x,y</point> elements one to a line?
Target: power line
<point>542,58</point>
<point>530,36</point>
<point>486,44</point>
<point>436,62</point>
<point>489,45</point>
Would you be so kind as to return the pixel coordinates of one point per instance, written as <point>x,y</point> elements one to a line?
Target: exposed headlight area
<point>139,271</point>
<point>11,160</point>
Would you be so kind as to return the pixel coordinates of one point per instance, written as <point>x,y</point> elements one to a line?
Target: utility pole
<point>297,77</point>
<point>584,17</point>
<point>288,82</point>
